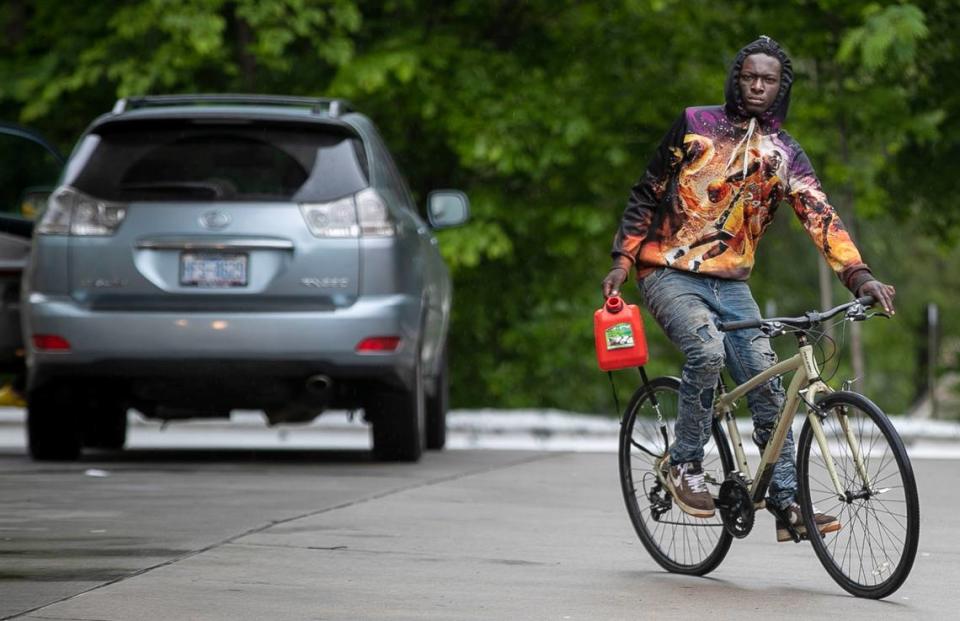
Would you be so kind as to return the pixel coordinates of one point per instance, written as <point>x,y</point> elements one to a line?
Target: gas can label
<point>619,336</point>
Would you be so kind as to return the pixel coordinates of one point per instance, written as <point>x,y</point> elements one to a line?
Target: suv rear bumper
<point>137,344</point>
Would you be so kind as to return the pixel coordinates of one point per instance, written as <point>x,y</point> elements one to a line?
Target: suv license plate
<point>213,270</point>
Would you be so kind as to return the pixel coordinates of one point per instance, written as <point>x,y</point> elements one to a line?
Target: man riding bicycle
<point>691,227</point>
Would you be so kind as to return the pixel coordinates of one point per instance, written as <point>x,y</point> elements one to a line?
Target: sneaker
<point>689,491</point>
<point>825,523</point>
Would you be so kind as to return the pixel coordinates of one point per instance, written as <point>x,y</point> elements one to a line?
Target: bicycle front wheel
<point>678,542</point>
<point>879,512</point>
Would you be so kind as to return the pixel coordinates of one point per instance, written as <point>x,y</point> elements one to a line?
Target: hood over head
<point>777,112</point>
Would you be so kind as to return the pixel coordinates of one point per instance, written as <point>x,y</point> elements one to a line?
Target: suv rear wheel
<point>437,404</point>
<point>105,427</point>
<point>53,431</point>
<point>398,422</point>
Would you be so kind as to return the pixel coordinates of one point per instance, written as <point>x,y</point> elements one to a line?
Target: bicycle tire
<point>887,521</point>
<point>636,494</point>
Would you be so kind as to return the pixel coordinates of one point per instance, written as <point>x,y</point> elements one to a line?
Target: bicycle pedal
<point>782,518</point>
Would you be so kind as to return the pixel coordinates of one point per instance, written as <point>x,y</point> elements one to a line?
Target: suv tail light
<point>71,212</point>
<point>363,214</point>
<point>375,220</point>
<point>378,344</point>
<point>50,342</point>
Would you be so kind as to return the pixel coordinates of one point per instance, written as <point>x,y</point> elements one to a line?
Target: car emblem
<point>214,220</point>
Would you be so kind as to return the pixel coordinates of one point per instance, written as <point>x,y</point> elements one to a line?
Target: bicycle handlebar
<point>807,321</point>
<point>743,324</point>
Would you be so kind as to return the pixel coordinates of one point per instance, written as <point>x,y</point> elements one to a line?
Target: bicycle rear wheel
<point>678,542</point>
<point>872,553</point>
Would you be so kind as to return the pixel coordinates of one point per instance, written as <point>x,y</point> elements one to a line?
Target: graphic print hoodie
<point>714,185</point>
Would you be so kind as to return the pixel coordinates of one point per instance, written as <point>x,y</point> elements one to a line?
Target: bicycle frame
<point>804,387</point>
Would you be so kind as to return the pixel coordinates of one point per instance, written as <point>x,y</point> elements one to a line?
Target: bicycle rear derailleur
<point>735,506</point>
<point>660,501</point>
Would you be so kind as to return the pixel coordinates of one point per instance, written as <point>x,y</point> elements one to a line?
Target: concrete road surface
<point>160,534</point>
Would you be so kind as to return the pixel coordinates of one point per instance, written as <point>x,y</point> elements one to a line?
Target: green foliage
<point>887,40</point>
<point>545,112</point>
<point>97,51</point>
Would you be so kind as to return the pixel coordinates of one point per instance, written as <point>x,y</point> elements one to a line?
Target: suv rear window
<point>220,160</point>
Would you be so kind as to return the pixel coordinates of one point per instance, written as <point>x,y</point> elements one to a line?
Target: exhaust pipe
<point>318,384</point>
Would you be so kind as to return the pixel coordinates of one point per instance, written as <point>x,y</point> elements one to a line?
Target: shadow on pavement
<point>211,455</point>
<point>708,587</point>
<point>230,455</point>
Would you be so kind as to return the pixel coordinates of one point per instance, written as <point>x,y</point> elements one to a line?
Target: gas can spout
<point>614,304</point>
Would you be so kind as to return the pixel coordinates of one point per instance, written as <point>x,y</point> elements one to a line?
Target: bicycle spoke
<point>883,462</point>
<point>696,533</point>
<point>895,473</point>
<point>891,513</point>
<point>870,539</point>
<point>892,534</point>
<point>883,547</point>
<point>879,542</point>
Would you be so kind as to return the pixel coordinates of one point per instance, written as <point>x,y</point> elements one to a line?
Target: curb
<point>539,423</point>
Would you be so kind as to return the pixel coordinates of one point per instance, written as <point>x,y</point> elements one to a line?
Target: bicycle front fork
<point>815,417</point>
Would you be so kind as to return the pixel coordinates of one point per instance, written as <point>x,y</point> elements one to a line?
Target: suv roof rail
<point>331,106</point>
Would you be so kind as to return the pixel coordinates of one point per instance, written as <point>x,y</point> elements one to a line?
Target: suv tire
<point>53,434</point>
<point>437,405</point>
<point>399,422</point>
<point>105,427</point>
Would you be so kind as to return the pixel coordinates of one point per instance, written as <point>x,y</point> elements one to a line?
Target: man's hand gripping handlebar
<point>774,326</point>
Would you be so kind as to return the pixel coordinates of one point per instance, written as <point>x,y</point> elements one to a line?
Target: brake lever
<point>856,313</point>
<point>773,331</point>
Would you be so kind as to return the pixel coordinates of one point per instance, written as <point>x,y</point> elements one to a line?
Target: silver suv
<point>204,253</point>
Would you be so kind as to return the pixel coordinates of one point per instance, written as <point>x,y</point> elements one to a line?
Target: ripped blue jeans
<point>687,306</point>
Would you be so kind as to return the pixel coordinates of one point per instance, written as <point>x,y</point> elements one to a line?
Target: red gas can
<point>618,332</point>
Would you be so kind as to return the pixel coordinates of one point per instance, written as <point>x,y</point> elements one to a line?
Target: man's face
<point>759,82</point>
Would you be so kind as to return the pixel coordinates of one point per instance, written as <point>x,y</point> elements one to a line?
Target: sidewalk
<point>465,535</point>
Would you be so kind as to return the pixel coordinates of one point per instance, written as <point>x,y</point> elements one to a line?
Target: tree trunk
<point>856,354</point>
<point>242,39</point>
<point>857,360</point>
<point>16,26</point>
<point>826,290</point>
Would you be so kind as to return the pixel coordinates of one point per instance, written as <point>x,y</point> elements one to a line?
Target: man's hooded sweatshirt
<point>714,184</point>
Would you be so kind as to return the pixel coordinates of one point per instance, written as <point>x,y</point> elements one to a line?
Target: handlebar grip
<point>867,300</point>
<point>729,326</point>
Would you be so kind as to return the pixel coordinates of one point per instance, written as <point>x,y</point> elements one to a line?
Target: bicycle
<point>850,461</point>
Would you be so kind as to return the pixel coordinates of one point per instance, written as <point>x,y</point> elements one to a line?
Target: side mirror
<point>19,220</point>
<point>34,201</point>
<point>447,208</point>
